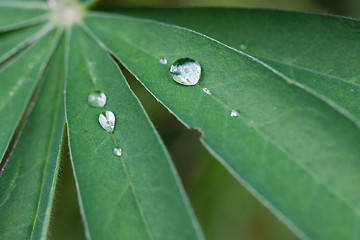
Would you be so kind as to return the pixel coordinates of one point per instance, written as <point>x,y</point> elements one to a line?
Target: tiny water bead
<point>117,151</point>
<point>243,46</point>
<point>163,60</point>
<point>185,71</point>
<point>97,99</point>
<point>207,91</point>
<point>107,121</point>
<point>234,113</point>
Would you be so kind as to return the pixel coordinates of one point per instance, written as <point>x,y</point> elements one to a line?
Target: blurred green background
<point>225,209</point>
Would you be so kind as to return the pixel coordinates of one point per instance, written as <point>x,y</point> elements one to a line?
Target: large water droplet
<point>186,71</point>
<point>97,99</point>
<point>117,151</point>
<point>163,60</point>
<point>107,121</point>
<point>234,113</point>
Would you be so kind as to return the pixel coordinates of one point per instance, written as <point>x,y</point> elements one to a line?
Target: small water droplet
<point>351,90</point>
<point>117,151</point>
<point>289,81</point>
<point>186,71</point>
<point>242,46</point>
<point>274,107</point>
<point>207,91</point>
<point>163,60</point>
<point>234,113</point>
<point>97,99</point>
<point>107,121</point>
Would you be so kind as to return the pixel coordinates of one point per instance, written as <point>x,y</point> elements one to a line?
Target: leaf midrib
<point>302,68</point>
<point>250,124</point>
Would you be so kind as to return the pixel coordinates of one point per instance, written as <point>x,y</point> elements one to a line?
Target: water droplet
<point>207,91</point>
<point>274,107</point>
<point>234,113</point>
<point>117,151</point>
<point>97,99</point>
<point>186,71</point>
<point>351,90</point>
<point>107,121</point>
<point>163,61</point>
<point>242,46</point>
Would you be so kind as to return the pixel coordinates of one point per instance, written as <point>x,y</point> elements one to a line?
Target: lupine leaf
<point>288,142</point>
<point>133,196</point>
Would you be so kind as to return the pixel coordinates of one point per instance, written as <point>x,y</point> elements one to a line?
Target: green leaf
<point>15,41</point>
<point>137,195</point>
<point>309,48</point>
<point>27,182</point>
<point>14,14</point>
<point>19,79</point>
<point>293,148</point>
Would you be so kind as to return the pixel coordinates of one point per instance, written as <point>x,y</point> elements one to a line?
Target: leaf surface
<point>27,182</point>
<point>291,147</point>
<point>319,51</point>
<point>133,196</point>
<point>14,14</point>
<point>15,41</point>
<point>19,79</point>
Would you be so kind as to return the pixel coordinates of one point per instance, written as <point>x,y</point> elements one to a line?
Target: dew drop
<point>242,46</point>
<point>234,113</point>
<point>163,60</point>
<point>117,151</point>
<point>185,71</point>
<point>207,91</point>
<point>107,121</point>
<point>97,99</point>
